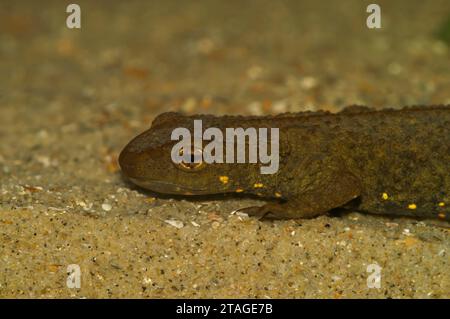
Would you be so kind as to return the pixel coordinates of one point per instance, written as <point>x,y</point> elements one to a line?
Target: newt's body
<point>392,162</point>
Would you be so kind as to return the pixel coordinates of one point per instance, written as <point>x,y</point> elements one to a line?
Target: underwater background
<point>70,99</point>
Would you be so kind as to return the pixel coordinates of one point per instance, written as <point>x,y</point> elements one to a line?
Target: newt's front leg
<point>330,185</point>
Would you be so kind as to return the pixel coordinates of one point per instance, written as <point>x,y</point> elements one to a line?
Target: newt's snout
<point>132,167</point>
<point>129,163</point>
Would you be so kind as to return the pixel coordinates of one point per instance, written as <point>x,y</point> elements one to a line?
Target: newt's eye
<point>191,166</point>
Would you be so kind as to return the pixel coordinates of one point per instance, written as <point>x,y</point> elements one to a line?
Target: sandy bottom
<point>71,99</point>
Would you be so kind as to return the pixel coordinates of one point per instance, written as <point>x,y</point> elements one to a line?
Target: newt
<point>389,162</point>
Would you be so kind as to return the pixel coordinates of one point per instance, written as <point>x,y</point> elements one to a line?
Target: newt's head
<point>147,162</point>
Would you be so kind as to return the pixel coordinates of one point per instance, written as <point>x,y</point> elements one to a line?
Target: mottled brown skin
<point>391,162</point>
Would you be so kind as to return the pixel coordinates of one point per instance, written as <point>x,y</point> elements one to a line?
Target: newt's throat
<point>168,188</point>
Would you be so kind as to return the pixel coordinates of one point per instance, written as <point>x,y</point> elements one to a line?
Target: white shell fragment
<point>175,223</point>
<point>106,207</point>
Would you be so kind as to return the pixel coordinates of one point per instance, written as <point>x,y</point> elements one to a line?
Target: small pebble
<point>391,224</point>
<point>406,232</point>
<point>44,160</point>
<point>215,225</point>
<point>106,207</point>
<point>175,223</point>
<point>308,82</point>
<point>336,278</point>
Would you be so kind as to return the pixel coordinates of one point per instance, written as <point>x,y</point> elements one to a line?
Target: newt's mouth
<point>168,188</point>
